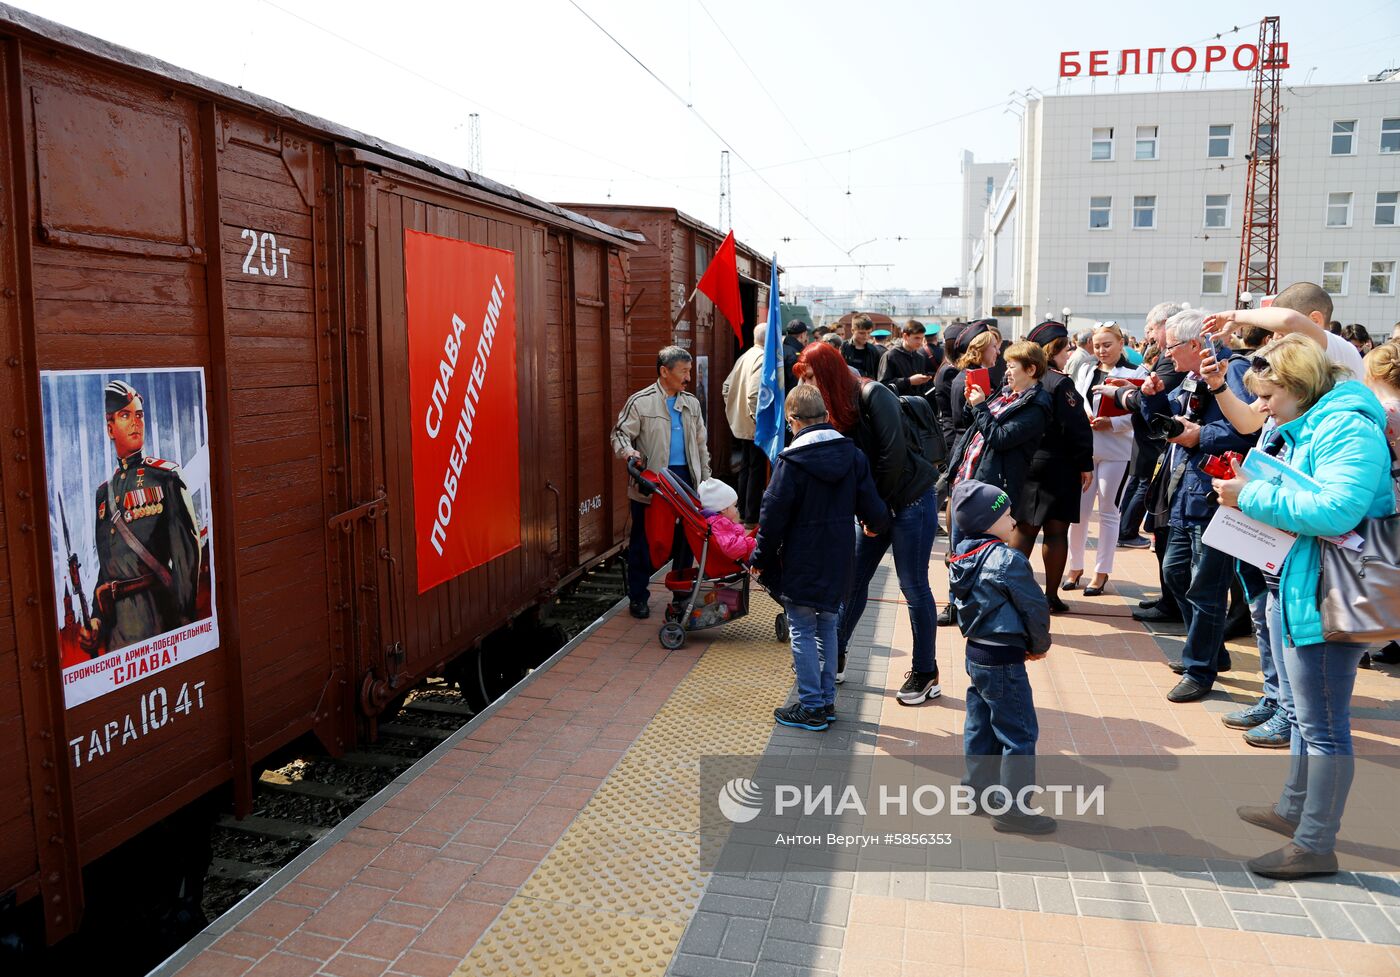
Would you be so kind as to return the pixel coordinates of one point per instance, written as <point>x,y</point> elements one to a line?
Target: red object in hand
<point>1222,466</point>
<point>979,377</point>
<point>1108,406</point>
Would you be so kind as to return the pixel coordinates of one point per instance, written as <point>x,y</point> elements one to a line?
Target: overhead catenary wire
<point>710,127</point>
<point>428,79</point>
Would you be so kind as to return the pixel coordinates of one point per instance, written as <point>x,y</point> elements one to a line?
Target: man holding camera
<point>1195,429</point>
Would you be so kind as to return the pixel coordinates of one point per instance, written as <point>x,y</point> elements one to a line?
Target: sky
<point>845,122</point>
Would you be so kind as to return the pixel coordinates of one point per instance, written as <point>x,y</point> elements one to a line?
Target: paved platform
<point>562,832</point>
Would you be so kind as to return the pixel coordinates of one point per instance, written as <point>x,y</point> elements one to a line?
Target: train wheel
<point>672,636</point>
<point>780,627</point>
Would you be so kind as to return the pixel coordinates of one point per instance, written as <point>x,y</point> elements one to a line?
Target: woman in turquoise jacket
<point>1334,432</point>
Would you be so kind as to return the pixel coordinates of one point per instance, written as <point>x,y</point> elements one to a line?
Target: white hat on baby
<point>717,496</point>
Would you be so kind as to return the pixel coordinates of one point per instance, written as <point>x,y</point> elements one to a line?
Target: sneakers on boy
<point>830,711</point>
<point>800,718</point>
<point>918,687</point>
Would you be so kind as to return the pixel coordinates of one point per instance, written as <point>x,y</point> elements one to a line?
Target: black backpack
<point>921,431</point>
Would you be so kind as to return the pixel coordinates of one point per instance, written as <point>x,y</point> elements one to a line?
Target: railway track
<point>304,798</point>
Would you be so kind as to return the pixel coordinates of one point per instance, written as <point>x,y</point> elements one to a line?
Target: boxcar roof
<point>681,216</point>
<point>25,23</point>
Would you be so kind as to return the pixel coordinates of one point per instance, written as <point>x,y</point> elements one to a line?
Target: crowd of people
<point>1026,441</point>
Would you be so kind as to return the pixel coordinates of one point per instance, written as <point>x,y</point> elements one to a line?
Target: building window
<point>1100,213</point>
<point>1144,212</point>
<point>1098,278</point>
<point>1344,138</point>
<point>1217,210</point>
<point>1146,142</point>
<point>1334,277</point>
<point>1212,278</point>
<point>991,185</point>
<point>1339,209</point>
<point>1390,135</point>
<point>1218,143</point>
<point>1386,201</point>
<point>1382,278</point>
<point>1264,145</point>
<point>1101,145</point>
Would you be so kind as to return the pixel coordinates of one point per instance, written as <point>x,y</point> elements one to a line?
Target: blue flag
<point>769,430</point>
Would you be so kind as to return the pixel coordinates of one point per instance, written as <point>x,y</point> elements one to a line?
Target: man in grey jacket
<point>660,427</point>
<point>740,392</point>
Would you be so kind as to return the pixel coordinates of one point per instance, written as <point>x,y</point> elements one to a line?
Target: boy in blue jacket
<point>806,546</point>
<point>1005,617</point>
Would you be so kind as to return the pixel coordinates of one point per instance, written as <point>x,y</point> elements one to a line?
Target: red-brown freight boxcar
<point>675,253</point>
<point>211,534</point>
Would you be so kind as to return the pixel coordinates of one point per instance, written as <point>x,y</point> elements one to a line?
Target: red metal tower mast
<point>1258,271</point>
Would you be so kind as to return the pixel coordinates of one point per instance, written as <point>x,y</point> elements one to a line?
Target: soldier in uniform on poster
<point>147,537</point>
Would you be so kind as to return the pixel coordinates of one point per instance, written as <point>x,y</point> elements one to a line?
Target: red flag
<point>721,283</point>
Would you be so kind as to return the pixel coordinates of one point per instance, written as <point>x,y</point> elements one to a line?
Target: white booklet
<point>1256,543</point>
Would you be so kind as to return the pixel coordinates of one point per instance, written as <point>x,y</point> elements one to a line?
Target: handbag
<point>1359,591</point>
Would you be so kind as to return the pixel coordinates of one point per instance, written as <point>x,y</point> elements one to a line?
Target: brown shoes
<point>1291,862</point>
<point>1267,817</point>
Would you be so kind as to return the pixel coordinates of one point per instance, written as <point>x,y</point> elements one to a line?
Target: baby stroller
<point>713,592</point>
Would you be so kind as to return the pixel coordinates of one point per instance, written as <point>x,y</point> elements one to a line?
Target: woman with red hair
<point>869,414</point>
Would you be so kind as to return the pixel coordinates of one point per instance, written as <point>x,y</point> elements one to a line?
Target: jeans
<point>1321,678</point>
<point>1000,731</point>
<point>911,534</point>
<point>1263,638</point>
<point>1199,578</point>
<point>639,568</point>
<point>813,634</point>
<point>1285,693</point>
<point>1134,506</point>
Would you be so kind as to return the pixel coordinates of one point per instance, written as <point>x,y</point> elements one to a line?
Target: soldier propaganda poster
<point>127,455</point>
<point>464,402</point>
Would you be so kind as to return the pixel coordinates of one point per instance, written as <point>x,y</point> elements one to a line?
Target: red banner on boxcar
<point>463,401</point>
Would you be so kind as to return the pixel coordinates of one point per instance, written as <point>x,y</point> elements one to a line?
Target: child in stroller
<point>716,590</point>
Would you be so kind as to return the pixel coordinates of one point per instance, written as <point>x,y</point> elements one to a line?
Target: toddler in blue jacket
<point>1004,615</point>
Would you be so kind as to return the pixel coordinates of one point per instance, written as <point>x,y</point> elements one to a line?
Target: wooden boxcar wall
<point>569,327</point>
<point>663,271</point>
<point>148,225</point>
<point>143,201</point>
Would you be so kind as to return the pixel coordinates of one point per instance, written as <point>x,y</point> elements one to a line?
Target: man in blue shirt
<point>660,426</point>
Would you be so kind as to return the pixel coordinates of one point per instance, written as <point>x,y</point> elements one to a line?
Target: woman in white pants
<point>1113,447</point>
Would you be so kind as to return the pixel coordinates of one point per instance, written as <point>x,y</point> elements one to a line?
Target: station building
<point>1119,201</point>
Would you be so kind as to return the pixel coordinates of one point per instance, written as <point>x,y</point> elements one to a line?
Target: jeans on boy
<point>911,534</point>
<point>1000,731</point>
<point>1199,577</point>
<point>813,634</point>
<point>1320,678</point>
<point>639,568</point>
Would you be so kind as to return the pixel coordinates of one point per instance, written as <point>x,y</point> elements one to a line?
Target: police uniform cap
<point>974,329</point>
<point>1047,332</point>
<point>118,394</point>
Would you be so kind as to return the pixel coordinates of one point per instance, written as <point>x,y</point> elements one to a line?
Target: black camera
<point>1164,428</point>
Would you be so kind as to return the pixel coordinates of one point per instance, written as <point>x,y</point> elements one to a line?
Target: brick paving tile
<point>351,908</point>
<point>415,963</point>
<point>275,919</point>
<point>212,963</point>
<point>348,965</point>
<point>279,964</point>
<point>247,945</point>
<point>305,944</point>
<point>381,940</point>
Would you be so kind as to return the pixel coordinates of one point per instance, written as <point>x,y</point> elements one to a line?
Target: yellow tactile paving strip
<point>615,894</point>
